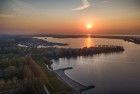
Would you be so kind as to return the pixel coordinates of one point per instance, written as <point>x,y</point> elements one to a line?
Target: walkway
<point>75,85</point>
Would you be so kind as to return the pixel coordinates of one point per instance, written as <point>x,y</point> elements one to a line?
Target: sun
<point>89,26</point>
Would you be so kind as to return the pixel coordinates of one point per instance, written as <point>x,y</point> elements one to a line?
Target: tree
<point>10,72</point>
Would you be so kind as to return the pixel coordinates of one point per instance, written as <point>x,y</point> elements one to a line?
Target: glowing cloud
<point>85,5</point>
<point>20,8</point>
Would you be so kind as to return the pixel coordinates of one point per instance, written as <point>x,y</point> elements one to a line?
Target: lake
<point>115,73</point>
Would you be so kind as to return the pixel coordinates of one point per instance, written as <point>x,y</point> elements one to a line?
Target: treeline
<point>71,52</point>
<point>52,52</point>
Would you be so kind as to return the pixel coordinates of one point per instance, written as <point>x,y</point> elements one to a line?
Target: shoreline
<point>78,88</point>
<point>129,38</point>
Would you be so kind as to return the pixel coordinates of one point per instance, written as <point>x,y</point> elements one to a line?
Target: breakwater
<point>75,85</point>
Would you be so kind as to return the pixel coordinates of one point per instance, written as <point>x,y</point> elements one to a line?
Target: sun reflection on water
<point>89,41</point>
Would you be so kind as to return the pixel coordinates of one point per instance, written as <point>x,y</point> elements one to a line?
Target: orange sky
<point>33,17</point>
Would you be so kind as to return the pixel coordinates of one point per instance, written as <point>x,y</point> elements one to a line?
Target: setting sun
<point>89,26</point>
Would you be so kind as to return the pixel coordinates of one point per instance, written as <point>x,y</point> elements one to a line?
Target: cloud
<point>20,8</point>
<point>85,5</point>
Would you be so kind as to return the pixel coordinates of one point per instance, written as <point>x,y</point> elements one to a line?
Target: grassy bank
<point>57,86</point>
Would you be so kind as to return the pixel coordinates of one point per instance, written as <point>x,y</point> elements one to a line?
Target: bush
<point>10,72</point>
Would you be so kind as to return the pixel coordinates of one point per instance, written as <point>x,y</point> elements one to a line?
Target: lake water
<point>116,73</point>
